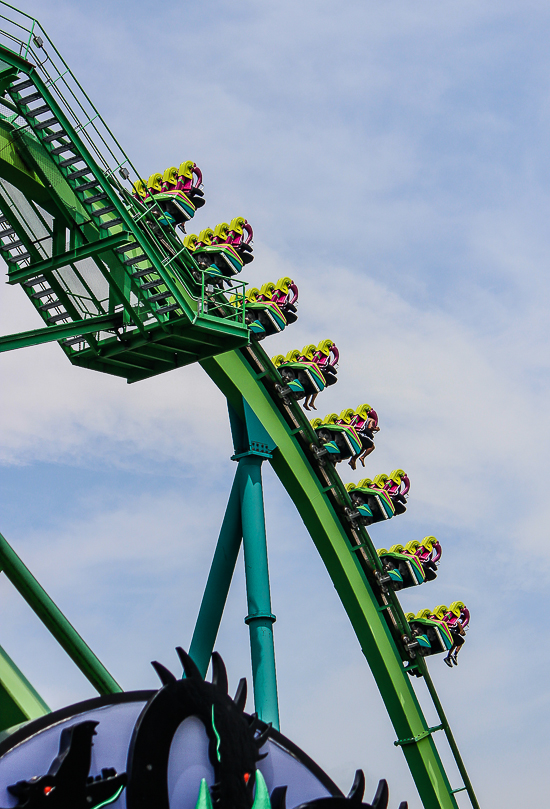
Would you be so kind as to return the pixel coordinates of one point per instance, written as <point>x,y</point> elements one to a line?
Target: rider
<point>240,236</point>
<point>366,424</point>
<point>186,182</point>
<point>308,355</point>
<point>397,486</point>
<point>428,554</point>
<point>457,619</point>
<point>326,355</point>
<point>285,294</point>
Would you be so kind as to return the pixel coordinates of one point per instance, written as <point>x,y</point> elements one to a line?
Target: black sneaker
<point>455,661</point>
<point>447,660</point>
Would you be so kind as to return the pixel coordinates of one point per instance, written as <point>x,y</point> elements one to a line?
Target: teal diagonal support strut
<point>219,581</point>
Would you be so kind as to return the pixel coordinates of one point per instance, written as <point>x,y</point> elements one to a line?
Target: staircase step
<point>87,186</point>
<point>3,219</point>
<point>110,224</point>
<point>21,257</point>
<point>152,284</point>
<point>161,297</point>
<point>54,136</point>
<point>165,309</point>
<point>70,160</point>
<point>42,293</point>
<point>45,124</point>
<point>7,232</point>
<point>66,147</point>
<point>80,173</point>
<point>39,111</point>
<point>52,305</point>
<point>141,273</point>
<point>55,318</point>
<point>40,279</point>
<point>127,247</point>
<point>96,198</point>
<point>10,245</point>
<point>74,340</point>
<point>29,99</point>
<point>135,260</point>
<point>16,88</point>
<point>103,211</point>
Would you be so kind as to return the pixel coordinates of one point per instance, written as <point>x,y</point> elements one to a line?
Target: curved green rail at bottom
<point>249,374</point>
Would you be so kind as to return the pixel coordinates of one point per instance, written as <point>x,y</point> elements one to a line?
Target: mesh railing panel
<point>77,291</point>
<point>32,218</point>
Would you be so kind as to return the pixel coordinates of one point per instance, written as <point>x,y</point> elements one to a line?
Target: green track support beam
<point>51,334</point>
<point>19,701</point>
<point>54,620</point>
<point>237,379</point>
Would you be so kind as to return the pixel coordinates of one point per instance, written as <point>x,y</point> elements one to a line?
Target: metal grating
<point>85,286</point>
<point>34,220</point>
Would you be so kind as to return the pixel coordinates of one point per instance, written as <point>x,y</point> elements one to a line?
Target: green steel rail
<point>19,701</point>
<point>351,561</point>
<point>52,617</point>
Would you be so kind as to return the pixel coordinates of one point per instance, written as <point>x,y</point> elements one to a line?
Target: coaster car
<point>301,376</point>
<point>218,259</point>
<point>402,568</point>
<point>430,632</point>
<point>176,208</point>
<point>188,179</point>
<point>371,500</point>
<point>263,317</point>
<point>142,192</point>
<point>337,436</point>
<point>277,300</point>
<point>364,420</point>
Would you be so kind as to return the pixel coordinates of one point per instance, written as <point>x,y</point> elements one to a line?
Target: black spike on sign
<point>219,673</point>
<point>164,674</point>
<point>189,667</point>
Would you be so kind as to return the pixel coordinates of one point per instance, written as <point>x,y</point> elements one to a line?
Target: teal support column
<point>219,581</point>
<point>244,520</point>
<point>260,618</point>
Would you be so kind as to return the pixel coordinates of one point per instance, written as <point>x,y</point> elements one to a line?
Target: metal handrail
<point>87,123</point>
<point>85,115</point>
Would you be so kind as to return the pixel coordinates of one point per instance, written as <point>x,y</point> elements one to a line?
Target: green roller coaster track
<point>122,296</point>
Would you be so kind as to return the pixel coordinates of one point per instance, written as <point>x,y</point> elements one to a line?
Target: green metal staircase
<point>111,280</point>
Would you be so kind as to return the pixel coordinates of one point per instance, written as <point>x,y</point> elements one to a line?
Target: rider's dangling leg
<point>458,641</point>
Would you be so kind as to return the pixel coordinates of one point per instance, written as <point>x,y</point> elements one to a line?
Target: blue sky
<point>392,158</point>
